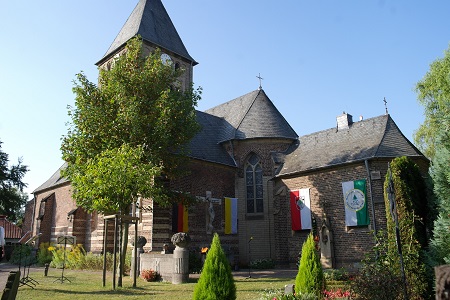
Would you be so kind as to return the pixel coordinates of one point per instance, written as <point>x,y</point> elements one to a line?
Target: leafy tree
<point>309,278</point>
<point>434,94</point>
<point>136,111</point>
<point>127,133</point>
<point>216,280</point>
<point>412,213</point>
<point>12,199</point>
<point>439,245</point>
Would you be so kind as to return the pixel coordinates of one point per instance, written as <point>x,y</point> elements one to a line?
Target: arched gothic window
<point>254,182</point>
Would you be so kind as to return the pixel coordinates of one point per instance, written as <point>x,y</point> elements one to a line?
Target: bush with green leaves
<point>377,278</point>
<point>78,258</point>
<point>265,263</point>
<point>216,280</point>
<point>278,294</point>
<point>22,254</point>
<point>310,274</point>
<point>44,255</point>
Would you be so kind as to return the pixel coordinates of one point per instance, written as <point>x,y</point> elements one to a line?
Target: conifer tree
<point>216,280</point>
<point>412,211</point>
<point>310,274</point>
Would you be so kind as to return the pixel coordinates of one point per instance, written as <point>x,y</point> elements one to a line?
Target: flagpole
<point>393,208</point>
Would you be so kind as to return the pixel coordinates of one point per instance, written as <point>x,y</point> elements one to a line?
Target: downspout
<point>33,214</point>
<point>366,162</point>
<point>268,216</point>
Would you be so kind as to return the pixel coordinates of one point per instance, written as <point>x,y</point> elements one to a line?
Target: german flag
<point>179,218</point>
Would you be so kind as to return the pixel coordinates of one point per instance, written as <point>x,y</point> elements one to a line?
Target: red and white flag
<point>300,209</point>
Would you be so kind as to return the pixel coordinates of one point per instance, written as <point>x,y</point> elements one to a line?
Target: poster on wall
<point>300,209</point>
<point>355,202</point>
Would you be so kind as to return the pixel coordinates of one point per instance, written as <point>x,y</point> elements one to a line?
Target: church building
<point>260,186</point>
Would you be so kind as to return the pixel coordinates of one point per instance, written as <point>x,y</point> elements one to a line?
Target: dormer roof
<point>150,20</point>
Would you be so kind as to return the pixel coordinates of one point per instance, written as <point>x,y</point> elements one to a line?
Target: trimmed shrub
<point>310,274</point>
<point>216,280</point>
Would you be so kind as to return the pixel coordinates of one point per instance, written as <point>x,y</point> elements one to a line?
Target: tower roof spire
<point>150,20</point>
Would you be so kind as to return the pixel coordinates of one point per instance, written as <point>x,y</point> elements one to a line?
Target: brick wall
<point>350,243</point>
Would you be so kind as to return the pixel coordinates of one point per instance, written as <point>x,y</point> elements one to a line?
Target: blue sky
<point>317,58</point>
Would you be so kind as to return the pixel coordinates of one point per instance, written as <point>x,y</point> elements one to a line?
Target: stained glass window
<point>254,182</point>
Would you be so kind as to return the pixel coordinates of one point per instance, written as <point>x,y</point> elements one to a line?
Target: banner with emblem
<point>355,201</point>
<point>300,209</point>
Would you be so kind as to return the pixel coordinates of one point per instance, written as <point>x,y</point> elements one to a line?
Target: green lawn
<point>88,285</point>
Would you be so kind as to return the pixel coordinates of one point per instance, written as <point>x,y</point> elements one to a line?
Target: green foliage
<point>195,262</point>
<point>412,212</point>
<point>77,258</point>
<point>128,131</point>
<point>310,274</point>
<point>216,280</point>
<point>434,94</point>
<point>22,254</point>
<point>11,197</point>
<point>439,245</point>
<point>379,276</point>
<point>45,255</point>
<point>265,263</point>
<point>335,275</point>
<point>278,294</point>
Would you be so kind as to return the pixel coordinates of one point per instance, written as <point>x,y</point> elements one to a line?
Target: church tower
<point>150,20</point>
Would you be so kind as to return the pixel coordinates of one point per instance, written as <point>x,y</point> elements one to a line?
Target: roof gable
<point>377,137</point>
<point>253,116</point>
<point>150,20</point>
<point>55,180</point>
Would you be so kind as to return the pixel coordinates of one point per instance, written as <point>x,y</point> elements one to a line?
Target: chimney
<point>344,121</point>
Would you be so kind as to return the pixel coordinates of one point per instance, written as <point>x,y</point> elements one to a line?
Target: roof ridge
<point>246,112</point>
<point>383,137</point>
<point>150,20</point>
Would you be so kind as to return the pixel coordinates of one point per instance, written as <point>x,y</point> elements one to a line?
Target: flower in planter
<point>149,275</point>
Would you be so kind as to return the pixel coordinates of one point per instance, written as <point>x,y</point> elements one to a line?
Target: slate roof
<point>377,137</point>
<point>206,143</point>
<point>150,20</point>
<point>253,115</point>
<point>53,181</point>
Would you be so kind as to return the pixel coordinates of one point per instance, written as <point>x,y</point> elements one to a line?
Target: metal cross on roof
<point>385,105</point>
<point>260,78</point>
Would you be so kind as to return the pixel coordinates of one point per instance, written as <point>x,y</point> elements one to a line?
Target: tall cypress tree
<point>216,280</point>
<point>412,208</point>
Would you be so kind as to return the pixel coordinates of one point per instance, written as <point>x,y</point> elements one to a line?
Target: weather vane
<point>260,78</point>
<point>385,105</point>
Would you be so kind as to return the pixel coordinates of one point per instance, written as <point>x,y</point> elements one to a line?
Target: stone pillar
<point>180,258</point>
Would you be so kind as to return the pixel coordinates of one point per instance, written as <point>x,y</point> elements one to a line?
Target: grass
<point>88,285</point>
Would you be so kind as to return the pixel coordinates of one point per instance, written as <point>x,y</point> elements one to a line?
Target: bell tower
<point>150,20</point>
